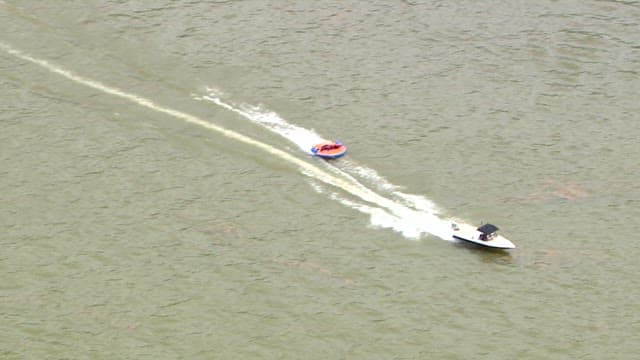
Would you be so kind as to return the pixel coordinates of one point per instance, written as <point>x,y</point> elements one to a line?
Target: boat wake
<point>411,215</point>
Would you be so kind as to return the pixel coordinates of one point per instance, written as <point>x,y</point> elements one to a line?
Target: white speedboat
<point>485,235</point>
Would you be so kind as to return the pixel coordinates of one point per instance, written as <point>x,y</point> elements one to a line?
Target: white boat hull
<point>470,234</point>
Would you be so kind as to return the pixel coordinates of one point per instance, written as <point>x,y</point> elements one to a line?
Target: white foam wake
<point>412,221</point>
<point>413,215</point>
<point>306,138</point>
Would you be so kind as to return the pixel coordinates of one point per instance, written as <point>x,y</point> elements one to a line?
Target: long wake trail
<point>411,221</point>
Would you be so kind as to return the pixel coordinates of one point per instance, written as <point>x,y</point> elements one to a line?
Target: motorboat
<point>329,149</point>
<point>484,235</point>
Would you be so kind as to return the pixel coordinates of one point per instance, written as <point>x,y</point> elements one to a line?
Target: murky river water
<point>157,197</point>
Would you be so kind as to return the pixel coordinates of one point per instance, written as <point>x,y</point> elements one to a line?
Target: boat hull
<point>470,234</point>
<point>496,243</point>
